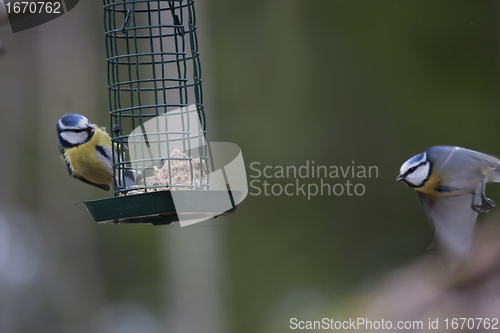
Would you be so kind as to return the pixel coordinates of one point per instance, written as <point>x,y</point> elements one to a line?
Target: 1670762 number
<point>33,7</point>
<point>472,323</point>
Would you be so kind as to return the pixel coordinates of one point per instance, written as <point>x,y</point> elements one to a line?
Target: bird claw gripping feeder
<point>158,121</point>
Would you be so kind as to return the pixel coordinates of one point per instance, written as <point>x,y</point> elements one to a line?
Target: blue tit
<point>86,149</point>
<point>450,185</point>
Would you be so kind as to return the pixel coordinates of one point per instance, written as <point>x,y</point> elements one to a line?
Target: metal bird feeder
<point>156,116</point>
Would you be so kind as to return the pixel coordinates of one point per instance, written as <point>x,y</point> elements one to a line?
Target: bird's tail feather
<point>129,178</point>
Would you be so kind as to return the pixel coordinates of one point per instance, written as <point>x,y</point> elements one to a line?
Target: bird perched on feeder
<point>450,185</point>
<point>86,149</point>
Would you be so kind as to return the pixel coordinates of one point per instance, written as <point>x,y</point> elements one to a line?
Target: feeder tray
<point>157,208</point>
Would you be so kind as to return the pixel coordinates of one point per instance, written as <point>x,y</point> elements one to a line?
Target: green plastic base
<point>156,208</point>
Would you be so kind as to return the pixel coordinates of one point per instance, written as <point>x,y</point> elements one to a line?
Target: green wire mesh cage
<point>153,68</point>
<point>156,112</point>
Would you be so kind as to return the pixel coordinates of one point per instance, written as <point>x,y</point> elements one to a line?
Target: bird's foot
<point>117,128</point>
<point>487,202</point>
<point>481,209</point>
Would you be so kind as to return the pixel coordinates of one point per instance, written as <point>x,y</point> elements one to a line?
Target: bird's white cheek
<point>75,138</point>
<point>419,176</point>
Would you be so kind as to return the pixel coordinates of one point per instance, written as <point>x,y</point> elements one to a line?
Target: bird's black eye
<point>412,169</point>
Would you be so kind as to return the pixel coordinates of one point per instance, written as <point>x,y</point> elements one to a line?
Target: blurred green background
<point>374,82</point>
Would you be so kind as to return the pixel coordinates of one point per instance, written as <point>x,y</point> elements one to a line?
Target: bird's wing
<point>483,159</point>
<point>104,187</point>
<point>453,221</point>
<point>465,169</point>
<point>490,165</point>
<point>464,161</point>
<point>63,157</point>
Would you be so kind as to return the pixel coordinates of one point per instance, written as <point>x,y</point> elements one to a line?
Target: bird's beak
<point>400,178</point>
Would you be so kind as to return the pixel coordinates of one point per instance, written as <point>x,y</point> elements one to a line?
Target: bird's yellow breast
<point>84,160</point>
<point>430,186</point>
<point>434,187</point>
